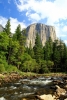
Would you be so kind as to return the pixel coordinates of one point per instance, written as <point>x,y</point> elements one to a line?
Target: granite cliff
<point>43,30</point>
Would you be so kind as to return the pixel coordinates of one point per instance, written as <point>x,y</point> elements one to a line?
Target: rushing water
<point>25,87</point>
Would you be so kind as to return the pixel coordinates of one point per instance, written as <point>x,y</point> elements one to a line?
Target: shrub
<point>43,67</point>
<point>11,68</point>
<point>2,68</point>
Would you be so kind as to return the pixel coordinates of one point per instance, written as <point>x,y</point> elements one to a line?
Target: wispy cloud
<point>53,10</point>
<point>14,23</point>
<point>3,21</point>
<point>65,28</point>
<point>65,41</point>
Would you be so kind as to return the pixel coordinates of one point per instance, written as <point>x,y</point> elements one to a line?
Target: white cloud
<point>65,42</point>
<point>14,23</point>
<point>52,10</point>
<point>33,16</point>
<point>3,21</point>
<point>65,28</point>
<point>55,12</point>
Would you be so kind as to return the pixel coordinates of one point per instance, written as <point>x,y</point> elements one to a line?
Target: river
<point>26,88</point>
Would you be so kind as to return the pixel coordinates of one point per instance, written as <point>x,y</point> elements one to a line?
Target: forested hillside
<point>14,56</point>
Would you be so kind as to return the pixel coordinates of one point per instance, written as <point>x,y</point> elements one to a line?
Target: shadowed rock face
<point>43,30</point>
<point>1,28</point>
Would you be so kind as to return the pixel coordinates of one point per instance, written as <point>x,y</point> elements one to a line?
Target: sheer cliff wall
<point>43,30</point>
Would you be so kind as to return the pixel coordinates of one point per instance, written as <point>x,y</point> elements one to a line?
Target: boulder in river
<point>46,97</point>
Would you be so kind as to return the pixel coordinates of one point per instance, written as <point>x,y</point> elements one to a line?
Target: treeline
<point>14,56</point>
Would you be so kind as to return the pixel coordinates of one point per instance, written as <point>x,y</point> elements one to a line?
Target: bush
<point>11,68</point>
<point>29,66</point>
<point>43,67</point>
<point>2,68</point>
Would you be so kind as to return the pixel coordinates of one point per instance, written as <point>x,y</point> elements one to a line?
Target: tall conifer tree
<point>38,48</point>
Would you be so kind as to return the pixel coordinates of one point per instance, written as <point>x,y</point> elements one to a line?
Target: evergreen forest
<point>16,57</point>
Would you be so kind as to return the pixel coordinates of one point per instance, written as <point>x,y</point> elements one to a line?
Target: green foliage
<point>4,41</point>
<point>7,28</point>
<point>46,66</point>
<point>38,49</point>
<point>25,57</point>
<point>50,65</point>
<point>2,68</point>
<point>30,51</point>
<point>17,34</point>
<point>12,68</point>
<point>29,65</point>
<point>56,55</point>
<point>12,51</point>
<point>43,67</point>
<point>48,49</point>
<point>14,55</point>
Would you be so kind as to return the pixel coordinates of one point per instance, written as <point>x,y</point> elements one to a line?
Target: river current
<point>26,88</point>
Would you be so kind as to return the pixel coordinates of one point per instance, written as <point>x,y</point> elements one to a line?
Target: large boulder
<point>60,93</point>
<point>46,97</point>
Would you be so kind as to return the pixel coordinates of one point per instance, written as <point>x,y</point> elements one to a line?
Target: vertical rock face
<point>43,30</point>
<point>1,28</point>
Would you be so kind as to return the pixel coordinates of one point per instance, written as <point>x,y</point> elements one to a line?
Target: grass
<point>35,74</point>
<point>45,74</point>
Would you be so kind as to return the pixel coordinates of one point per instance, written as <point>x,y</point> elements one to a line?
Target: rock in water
<point>60,91</point>
<point>43,30</point>
<point>46,97</point>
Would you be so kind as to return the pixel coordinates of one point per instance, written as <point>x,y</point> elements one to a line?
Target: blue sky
<point>26,12</point>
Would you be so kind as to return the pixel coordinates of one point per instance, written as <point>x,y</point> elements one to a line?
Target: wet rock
<point>63,96</point>
<point>65,77</point>
<point>24,99</point>
<point>58,82</point>
<point>65,87</point>
<point>0,84</point>
<point>59,92</point>
<point>2,76</point>
<point>53,87</point>
<point>65,99</point>
<point>46,97</point>
<point>65,81</point>
<point>33,77</point>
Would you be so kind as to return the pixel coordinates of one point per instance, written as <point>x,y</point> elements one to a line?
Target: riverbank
<point>12,77</point>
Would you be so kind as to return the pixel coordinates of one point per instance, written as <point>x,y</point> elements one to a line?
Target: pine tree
<point>30,50</point>
<point>48,49</point>
<point>64,59</point>
<point>56,55</point>
<point>38,52</point>
<point>7,28</point>
<point>8,32</point>
<point>17,34</point>
<point>20,37</point>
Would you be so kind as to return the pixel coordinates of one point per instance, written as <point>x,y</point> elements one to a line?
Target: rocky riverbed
<point>16,87</point>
